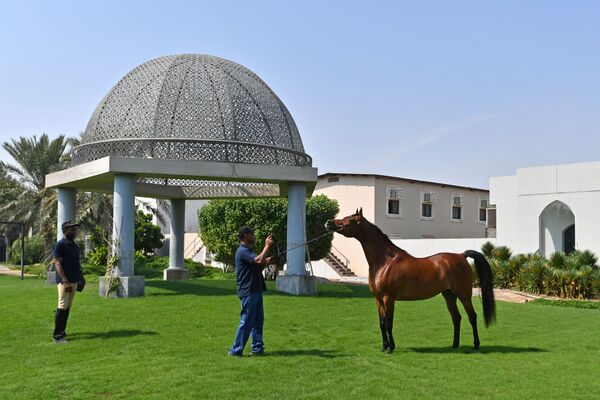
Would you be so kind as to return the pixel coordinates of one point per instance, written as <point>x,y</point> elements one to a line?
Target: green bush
<point>487,249</point>
<point>152,267</point>
<point>34,250</point>
<point>98,256</point>
<point>574,275</point>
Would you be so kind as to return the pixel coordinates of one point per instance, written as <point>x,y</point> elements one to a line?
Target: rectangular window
<point>394,195</point>
<point>426,209</point>
<point>333,179</point>
<point>427,199</point>
<point>456,212</point>
<point>483,206</point>
<point>394,207</point>
<point>458,202</point>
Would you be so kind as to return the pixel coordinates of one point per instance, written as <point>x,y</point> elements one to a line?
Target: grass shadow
<point>179,288</point>
<point>482,349</point>
<point>111,334</point>
<point>344,291</point>
<point>309,352</point>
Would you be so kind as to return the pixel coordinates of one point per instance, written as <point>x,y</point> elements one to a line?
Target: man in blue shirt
<point>250,284</point>
<point>68,274</point>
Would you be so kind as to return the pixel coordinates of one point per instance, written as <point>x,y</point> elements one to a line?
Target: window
<point>456,212</point>
<point>458,202</point>
<point>483,206</point>
<point>394,195</point>
<point>426,210</point>
<point>333,179</point>
<point>427,199</point>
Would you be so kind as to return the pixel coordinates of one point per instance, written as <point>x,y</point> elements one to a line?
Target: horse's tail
<point>486,279</point>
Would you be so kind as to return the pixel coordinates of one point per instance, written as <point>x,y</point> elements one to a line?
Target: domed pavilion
<point>190,127</point>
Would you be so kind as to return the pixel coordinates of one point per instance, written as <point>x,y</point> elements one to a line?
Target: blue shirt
<point>69,252</point>
<point>249,275</point>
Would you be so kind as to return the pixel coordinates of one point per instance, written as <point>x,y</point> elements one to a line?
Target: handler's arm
<point>59,269</point>
<point>262,258</point>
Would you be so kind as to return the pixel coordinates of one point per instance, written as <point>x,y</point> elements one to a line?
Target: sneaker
<point>230,354</point>
<point>60,340</point>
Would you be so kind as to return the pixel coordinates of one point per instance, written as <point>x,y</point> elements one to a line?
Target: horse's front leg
<point>388,305</point>
<point>382,324</point>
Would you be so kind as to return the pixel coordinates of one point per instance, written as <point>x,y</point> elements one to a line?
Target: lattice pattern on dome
<point>193,107</point>
<point>203,189</point>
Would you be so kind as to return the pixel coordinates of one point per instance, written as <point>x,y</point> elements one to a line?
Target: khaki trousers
<point>65,299</point>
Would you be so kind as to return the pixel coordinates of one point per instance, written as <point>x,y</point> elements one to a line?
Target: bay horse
<point>396,275</point>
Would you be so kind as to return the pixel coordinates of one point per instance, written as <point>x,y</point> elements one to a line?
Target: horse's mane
<point>385,237</point>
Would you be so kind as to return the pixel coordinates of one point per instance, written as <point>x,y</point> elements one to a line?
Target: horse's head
<point>348,226</point>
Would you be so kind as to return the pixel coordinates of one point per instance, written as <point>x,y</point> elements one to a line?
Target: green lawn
<point>173,344</point>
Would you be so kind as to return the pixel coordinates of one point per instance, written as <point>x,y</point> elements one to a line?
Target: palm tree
<point>28,199</point>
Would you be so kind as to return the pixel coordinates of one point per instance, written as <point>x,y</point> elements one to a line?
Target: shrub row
<point>574,275</point>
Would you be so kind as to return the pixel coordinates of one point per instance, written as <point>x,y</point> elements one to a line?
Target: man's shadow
<point>110,334</point>
<point>305,352</point>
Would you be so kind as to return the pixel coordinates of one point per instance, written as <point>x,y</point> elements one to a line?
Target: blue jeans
<point>252,318</point>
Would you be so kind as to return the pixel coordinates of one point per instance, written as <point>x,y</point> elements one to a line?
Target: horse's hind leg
<point>384,336</point>
<point>468,305</point>
<point>453,309</point>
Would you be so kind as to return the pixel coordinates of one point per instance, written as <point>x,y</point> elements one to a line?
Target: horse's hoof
<point>455,346</point>
<point>384,349</point>
<point>389,351</point>
<point>476,347</point>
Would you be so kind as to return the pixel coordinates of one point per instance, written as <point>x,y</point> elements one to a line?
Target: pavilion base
<point>129,286</point>
<point>176,274</point>
<point>51,278</point>
<point>298,285</point>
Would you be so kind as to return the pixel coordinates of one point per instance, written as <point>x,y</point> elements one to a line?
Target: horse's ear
<point>360,212</point>
<point>356,211</point>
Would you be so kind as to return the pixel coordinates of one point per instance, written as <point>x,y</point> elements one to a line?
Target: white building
<point>548,208</point>
<point>403,209</point>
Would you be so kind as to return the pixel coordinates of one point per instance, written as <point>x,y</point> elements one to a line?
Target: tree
<point>147,235</point>
<point>28,199</point>
<point>220,220</point>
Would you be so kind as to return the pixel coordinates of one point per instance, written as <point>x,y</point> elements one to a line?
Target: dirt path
<point>12,272</point>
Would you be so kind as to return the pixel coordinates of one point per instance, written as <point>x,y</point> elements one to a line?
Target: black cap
<point>68,224</point>
<point>245,230</point>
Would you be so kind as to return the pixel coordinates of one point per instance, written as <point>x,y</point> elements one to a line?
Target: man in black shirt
<point>251,284</point>
<point>68,274</point>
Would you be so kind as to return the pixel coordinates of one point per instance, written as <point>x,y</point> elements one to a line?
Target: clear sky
<point>451,91</point>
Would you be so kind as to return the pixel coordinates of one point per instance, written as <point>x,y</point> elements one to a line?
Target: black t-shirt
<point>69,252</point>
<point>249,275</point>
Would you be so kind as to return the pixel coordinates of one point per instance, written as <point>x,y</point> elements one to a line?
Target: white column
<point>296,225</point>
<point>124,221</point>
<point>177,233</point>
<point>176,270</point>
<point>66,209</point>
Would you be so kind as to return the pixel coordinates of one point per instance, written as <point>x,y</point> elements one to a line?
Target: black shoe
<point>60,340</point>
<point>230,354</point>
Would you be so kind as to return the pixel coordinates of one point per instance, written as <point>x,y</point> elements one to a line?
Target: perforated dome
<point>193,107</point>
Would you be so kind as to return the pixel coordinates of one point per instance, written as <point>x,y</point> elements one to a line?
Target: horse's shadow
<point>482,350</point>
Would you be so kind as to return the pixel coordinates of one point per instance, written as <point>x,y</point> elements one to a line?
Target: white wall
<point>521,198</point>
<point>410,225</point>
<point>427,247</point>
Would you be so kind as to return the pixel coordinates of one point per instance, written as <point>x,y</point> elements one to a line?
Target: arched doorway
<point>557,229</point>
<point>569,239</point>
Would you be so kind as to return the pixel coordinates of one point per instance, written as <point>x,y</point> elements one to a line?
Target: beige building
<point>403,209</point>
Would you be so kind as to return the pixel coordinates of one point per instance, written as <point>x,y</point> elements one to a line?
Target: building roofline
<point>403,179</point>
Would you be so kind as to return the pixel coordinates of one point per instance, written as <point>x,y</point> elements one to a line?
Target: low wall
<point>427,247</point>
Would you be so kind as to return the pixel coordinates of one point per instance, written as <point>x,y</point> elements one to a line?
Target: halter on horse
<point>396,275</point>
